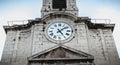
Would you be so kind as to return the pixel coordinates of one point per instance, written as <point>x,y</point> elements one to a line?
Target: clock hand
<point>62,29</point>
<point>61,33</point>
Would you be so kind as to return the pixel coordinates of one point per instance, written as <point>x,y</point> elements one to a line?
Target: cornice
<point>66,15</point>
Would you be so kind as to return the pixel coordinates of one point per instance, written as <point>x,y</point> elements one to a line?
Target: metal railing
<point>23,22</point>
<point>20,22</point>
<point>103,21</point>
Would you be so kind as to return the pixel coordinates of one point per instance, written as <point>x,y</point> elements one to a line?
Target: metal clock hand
<point>61,33</point>
<point>63,28</point>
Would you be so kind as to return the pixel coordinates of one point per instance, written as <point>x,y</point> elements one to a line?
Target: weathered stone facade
<point>92,44</point>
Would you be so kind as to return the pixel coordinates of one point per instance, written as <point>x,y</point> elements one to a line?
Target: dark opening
<point>59,4</point>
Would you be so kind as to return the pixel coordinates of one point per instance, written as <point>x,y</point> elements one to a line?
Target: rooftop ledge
<point>92,23</point>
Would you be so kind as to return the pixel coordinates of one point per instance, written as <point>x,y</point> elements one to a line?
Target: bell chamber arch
<point>59,4</point>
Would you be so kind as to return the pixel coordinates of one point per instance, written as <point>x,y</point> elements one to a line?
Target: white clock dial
<point>59,31</point>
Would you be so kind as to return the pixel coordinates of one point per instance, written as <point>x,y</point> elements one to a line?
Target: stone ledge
<point>76,20</point>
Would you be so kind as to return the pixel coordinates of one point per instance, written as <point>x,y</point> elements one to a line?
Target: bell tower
<point>54,6</point>
<point>60,37</point>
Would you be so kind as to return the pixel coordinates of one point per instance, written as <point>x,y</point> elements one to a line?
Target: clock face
<point>59,31</point>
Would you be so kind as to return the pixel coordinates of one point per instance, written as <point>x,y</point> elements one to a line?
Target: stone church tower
<point>60,37</point>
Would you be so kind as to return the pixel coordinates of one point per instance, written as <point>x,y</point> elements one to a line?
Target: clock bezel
<point>68,22</point>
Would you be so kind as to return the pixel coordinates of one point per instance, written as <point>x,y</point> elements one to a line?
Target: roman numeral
<point>59,24</point>
<point>59,37</point>
<point>50,31</point>
<point>63,25</point>
<point>55,25</point>
<point>54,36</point>
<point>51,28</point>
<point>68,30</point>
<point>67,34</point>
<point>51,34</point>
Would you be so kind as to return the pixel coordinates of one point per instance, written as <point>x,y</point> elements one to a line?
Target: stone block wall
<point>21,44</point>
<point>40,42</point>
<point>8,48</point>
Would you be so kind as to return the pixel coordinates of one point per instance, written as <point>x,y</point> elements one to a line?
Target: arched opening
<point>59,4</point>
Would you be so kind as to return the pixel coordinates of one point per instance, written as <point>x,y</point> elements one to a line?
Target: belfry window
<point>59,4</point>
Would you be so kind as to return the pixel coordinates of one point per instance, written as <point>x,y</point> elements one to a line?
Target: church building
<point>60,37</point>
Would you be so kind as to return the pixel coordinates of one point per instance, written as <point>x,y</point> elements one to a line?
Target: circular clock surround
<point>59,31</point>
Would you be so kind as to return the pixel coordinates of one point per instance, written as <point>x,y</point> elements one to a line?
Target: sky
<point>18,10</point>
